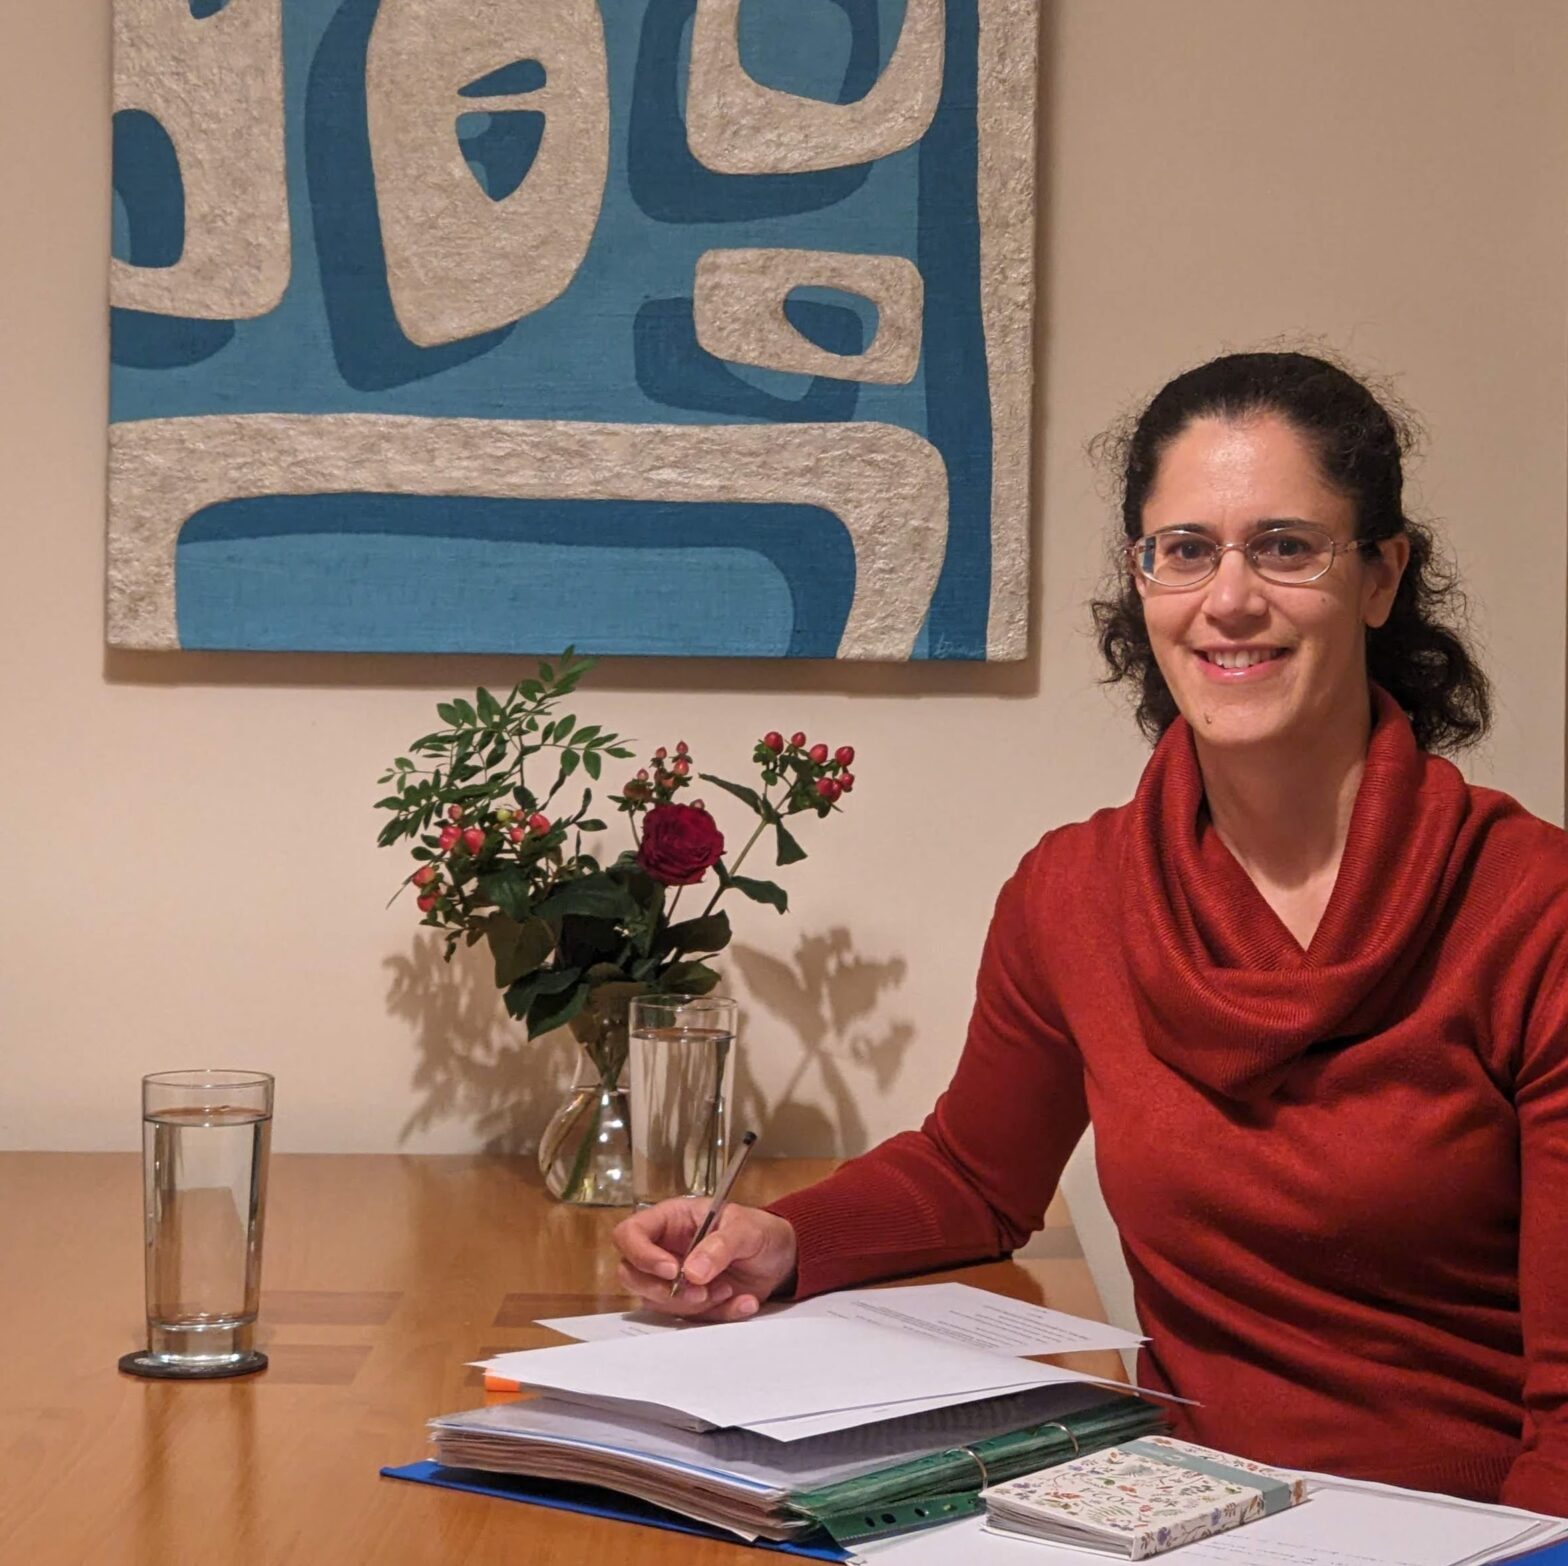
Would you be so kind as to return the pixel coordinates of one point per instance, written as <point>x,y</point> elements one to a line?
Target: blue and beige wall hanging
<point>652,326</point>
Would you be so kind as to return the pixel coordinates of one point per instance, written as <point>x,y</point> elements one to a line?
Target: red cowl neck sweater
<point>1340,1174</point>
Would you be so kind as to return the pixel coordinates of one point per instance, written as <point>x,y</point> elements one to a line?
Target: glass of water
<point>205,1141</point>
<point>682,1087</point>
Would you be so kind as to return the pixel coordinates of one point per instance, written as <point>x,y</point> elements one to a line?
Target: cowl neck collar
<point>1226,995</point>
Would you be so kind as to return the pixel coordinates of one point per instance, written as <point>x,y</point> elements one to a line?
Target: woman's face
<point>1252,662</point>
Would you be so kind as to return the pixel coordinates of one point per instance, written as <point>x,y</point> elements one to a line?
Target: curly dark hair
<point>1419,655</point>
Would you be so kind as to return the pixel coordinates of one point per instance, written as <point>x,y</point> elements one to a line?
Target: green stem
<point>739,858</point>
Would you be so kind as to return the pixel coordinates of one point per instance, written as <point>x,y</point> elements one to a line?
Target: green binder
<point>928,1490</point>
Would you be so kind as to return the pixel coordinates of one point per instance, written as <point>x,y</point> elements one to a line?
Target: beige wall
<point>189,872</point>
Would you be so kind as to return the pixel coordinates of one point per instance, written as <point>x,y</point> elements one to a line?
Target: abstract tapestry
<point>651,326</point>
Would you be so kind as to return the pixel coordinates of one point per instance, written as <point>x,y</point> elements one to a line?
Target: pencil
<point>717,1205</point>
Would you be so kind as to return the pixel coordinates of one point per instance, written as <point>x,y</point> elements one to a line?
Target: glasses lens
<point>1291,554</point>
<point>1175,558</point>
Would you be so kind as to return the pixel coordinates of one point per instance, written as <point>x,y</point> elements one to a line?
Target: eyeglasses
<point>1185,557</point>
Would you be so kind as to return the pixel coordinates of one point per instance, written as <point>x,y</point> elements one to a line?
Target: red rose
<point>679,844</point>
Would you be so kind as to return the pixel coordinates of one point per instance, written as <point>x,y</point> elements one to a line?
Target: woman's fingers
<point>656,1238</point>
<point>692,1300</point>
<point>710,1258</point>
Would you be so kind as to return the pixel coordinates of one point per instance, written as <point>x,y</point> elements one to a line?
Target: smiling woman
<point>1295,423</point>
<point>1306,979</point>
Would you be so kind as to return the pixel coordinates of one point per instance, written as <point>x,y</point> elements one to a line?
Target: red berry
<point>538,823</point>
<point>448,838</point>
<point>844,755</point>
<point>697,804</point>
<point>660,754</point>
<point>846,781</point>
<point>424,875</point>
<point>829,789</point>
<point>455,812</point>
<point>642,774</point>
<point>773,740</point>
<point>818,753</point>
<point>681,766</point>
<point>473,839</point>
<point>515,833</point>
<point>798,738</point>
<point>680,748</point>
<point>427,902</point>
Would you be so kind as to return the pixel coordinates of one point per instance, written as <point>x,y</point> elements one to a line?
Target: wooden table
<point>382,1276</point>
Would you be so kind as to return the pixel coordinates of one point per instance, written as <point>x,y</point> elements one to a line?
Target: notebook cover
<point>592,1501</point>
<point>1151,1496</point>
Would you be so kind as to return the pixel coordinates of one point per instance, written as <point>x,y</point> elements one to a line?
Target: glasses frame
<point>1136,548</point>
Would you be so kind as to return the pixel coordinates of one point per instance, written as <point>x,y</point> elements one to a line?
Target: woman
<point>1307,985</point>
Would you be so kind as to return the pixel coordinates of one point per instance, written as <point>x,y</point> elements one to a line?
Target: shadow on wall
<point>825,998</point>
<point>477,1068</point>
<point>476,1065</point>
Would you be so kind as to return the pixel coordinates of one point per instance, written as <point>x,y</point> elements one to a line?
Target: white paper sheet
<point>729,1375</point>
<point>805,1426</point>
<point>950,1312</point>
<point>1343,1524</point>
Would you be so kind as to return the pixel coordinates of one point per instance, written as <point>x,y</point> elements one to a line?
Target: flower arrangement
<point>498,853</point>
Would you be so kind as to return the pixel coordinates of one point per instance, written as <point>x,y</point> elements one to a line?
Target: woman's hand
<point>747,1256</point>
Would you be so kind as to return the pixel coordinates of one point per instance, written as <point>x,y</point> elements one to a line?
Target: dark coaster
<point>143,1364</point>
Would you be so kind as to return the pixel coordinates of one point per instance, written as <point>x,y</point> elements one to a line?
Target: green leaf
<point>590,826</point>
<point>569,760</point>
<point>621,753</point>
<point>447,713</point>
<point>520,996</point>
<point>591,763</point>
<point>489,707</point>
<point>594,896</point>
<point>518,949</point>
<point>465,711</point>
<point>790,852</point>
<point>510,890</point>
<point>549,1012</point>
<point>710,933</point>
<point>587,733</point>
<point>748,795</point>
<point>689,978</point>
<point>758,891</point>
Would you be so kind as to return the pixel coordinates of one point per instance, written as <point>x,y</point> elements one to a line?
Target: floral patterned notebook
<point>1140,1498</point>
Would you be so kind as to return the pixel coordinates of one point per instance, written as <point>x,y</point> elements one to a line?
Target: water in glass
<point>204,1170</point>
<point>683,1082</point>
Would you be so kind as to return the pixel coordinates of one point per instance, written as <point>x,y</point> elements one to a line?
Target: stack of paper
<point>736,1479</point>
<point>802,1418</point>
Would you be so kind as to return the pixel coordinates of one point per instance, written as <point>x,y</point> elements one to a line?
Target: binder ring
<point>1057,1425</point>
<point>979,1462</point>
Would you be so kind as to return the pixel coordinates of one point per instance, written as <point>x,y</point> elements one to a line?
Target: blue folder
<point>625,1508</point>
<point>592,1501</point>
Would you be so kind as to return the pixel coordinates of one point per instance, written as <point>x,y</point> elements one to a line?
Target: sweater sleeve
<point>1538,1479</point>
<point>974,1181</point>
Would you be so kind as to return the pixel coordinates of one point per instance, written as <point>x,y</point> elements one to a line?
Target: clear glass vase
<point>585,1153</point>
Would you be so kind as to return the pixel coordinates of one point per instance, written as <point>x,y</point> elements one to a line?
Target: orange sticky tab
<point>495,1383</point>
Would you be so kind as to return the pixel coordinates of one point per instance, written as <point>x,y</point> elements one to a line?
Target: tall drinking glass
<point>205,1140</point>
<point>682,1087</point>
